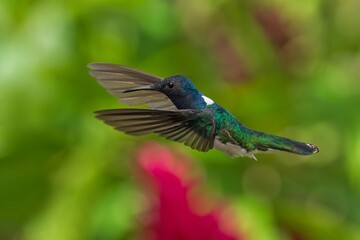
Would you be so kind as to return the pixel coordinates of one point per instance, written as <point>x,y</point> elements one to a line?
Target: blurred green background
<point>290,68</point>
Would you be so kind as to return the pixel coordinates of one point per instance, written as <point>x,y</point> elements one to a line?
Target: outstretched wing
<point>116,79</point>
<point>192,127</point>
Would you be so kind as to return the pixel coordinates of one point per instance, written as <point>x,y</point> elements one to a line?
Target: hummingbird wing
<point>194,128</point>
<point>117,78</point>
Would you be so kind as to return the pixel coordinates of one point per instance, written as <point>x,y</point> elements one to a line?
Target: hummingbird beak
<point>149,87</point>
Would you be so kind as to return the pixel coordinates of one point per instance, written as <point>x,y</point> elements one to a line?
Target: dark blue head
<point>180,90</point>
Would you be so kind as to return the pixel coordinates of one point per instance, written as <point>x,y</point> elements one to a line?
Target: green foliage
<point>285,67</point>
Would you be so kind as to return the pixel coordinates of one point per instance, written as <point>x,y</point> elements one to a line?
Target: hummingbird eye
<point>170,84</point>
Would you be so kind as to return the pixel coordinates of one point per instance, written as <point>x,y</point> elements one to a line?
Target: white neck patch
<point>207,100</point>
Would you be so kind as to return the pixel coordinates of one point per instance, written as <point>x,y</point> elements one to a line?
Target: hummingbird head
<point>179,89</point>
<point>175,86</point>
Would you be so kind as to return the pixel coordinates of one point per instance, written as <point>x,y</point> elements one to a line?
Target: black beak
<point>149,87</point>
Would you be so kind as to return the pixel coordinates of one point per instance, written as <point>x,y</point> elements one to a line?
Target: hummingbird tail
<point>266,142</point>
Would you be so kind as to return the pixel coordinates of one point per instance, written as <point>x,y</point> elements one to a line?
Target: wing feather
<point>117,78</point>
<point>194,128</point>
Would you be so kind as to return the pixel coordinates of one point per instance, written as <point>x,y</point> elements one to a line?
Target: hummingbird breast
<point>232,137</point>
<point>233,150</point>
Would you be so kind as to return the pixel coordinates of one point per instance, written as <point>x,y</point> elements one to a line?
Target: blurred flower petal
<point>174,214</point>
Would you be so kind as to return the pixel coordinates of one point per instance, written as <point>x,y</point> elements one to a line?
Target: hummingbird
<point>179,112</point>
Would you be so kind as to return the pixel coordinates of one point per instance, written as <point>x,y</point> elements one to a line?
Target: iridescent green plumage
<point>231,132</point>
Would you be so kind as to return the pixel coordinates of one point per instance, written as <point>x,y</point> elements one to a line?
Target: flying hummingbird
<point>180,112</point>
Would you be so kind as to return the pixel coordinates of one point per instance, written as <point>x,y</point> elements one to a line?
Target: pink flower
<point>176,212</point>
